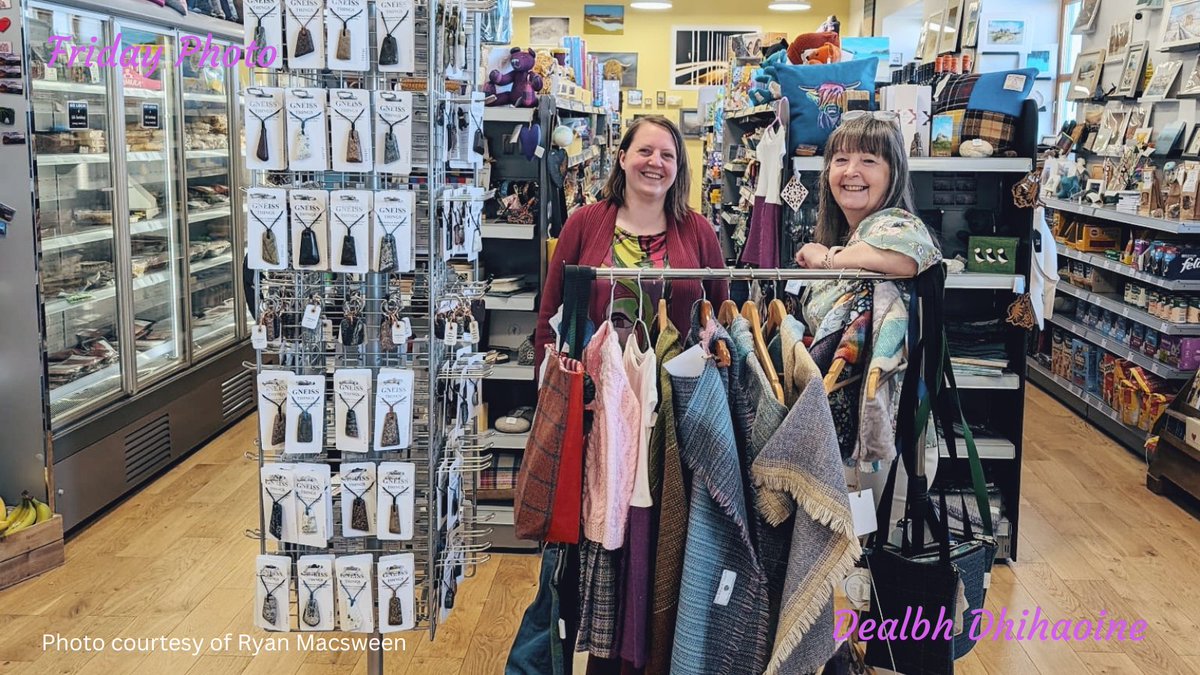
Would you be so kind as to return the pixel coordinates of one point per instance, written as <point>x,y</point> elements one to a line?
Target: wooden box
<point>32,551</point>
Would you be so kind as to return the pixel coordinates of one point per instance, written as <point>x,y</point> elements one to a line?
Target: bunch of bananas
<point>30,512</point>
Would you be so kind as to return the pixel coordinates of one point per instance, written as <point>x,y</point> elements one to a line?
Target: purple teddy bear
<point>525,84</point>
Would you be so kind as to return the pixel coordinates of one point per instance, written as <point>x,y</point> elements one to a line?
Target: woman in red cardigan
<point>643,220</point>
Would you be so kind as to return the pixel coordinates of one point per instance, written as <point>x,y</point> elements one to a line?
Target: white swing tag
<point>451,333</point>
<point>795,286</point>
<point>725,590</point>
<point>688,364</point>
<point>474,332</point>
<point>312,316</point>
<point>398,334</point>
<point>862,508</point>
<point>258,337</point>
<point>539,151</point>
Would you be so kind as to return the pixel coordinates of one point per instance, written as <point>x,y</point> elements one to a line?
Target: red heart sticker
<point>5,22</point>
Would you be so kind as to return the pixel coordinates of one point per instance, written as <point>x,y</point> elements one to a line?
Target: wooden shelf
<point>510,371</point>
<point>520,302</point>
<point>982,281</point>
<point>1089,404</point>
<point>1005,381</point>
<point>508,114</point>
<point>498,230</point>
<point>495,495</point>
<point>502,441</point>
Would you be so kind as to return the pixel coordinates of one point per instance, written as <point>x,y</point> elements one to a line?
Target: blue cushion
<point>1002,92</point>
<point>816,96</point>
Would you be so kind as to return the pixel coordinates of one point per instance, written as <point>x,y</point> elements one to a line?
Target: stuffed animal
<point>767,88</point>
<point>544,66</point>
<point>525,83</point>
<point>810,48</point>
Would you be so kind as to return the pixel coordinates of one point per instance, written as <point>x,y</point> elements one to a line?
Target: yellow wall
<point>649,34</point>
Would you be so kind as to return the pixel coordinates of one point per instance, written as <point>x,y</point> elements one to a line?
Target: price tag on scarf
<point>795,287</point>
<point>258,337</point>
<point>451,333</point>
<point>862,507</point>
<point>474,339</point>
<point>312,316</point>
<point>857,587</point>
<point>725,590</point>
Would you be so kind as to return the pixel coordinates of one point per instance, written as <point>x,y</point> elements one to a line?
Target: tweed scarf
<point>671,507</point>
<point>712,638</point>
<point>876,446</point>
<point>599,600</point>
<point>798,476</point>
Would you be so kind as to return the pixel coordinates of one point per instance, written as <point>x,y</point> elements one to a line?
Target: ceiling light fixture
<point>650,5</point>
<point>520,4</point>
<point>789,6</point>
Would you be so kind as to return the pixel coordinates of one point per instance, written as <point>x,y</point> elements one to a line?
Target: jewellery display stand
<point>386,337</point>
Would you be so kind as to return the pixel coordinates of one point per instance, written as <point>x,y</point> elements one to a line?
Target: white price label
<point>795,286</point>
<point>474,332</point>
<point>725,590</point>
<point>258,337</point>
<point>451,333</point>
<point>398,335</point>
<point>539,152</point>
<point>312,316</point>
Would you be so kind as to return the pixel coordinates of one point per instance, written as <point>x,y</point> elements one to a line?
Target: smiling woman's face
<point>650,163</point>
<point>859,182</point>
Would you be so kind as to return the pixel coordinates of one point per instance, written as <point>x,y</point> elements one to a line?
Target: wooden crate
<point>31,551</point>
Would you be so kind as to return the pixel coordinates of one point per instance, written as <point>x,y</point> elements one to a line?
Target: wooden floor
<point>173,561</point>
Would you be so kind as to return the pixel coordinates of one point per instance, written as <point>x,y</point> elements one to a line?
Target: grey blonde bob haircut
<point>877,137</point>
<point>676,205</point>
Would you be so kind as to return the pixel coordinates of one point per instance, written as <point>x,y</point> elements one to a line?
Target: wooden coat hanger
<point>664,319</point>
<point>727,313</point>
<point>776,313</point>
<point>750,313</point>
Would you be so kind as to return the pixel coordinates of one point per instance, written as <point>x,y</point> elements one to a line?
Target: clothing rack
<point>728,273</point>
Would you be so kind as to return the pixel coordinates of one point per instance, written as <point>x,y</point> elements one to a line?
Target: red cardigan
<point>587,239</point>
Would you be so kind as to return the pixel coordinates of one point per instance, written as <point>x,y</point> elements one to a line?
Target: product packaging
<point>394,408</point>
<point>305,415</point>
<point>272,602</point>
<point>393,132</point>
<point>395,48</point>
<point>396,483</point>
<point>359,499</point>
<point>307,137</point>
<point>314,504</point>
<point>272,408</point>
<point>352,409</point>
<point>264,27</point>
<point>266,129</point>
<point>397,606</point>
<point>350,121</point>
<point>314,592</point>
<point>347,35</point>
<point>267,229</point>
<point>914,105</point>
<point>350,230</point>
<point>356,602</point>
<point>310,229</point>
<point>392,233</point>
<point>305,34</point>
<point>278,491</point>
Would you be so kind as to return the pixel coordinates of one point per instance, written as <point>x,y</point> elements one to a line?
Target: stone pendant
<point>391,148</point>
<point>260,35</point>
<point>354,147</point>
<point>312,612</point>
<point>303,146</point>
<point>395,612</point>
<point>262,151</point>
<point>343,45</point>
<point>304,43</point>
<point>309,253</point>
<point>308,522</point>
<point>358,514</point>
<point>394,519</point>
<point>389,53</point>
<point>351,430</point>
<point>391,432</point>
<point>349,251</point>
<point>276,526</point>
<point>304,430</point>
<point>351,331</point>
<point>278,430</point>
<point>270,609</point>
<point>387,253</point>
<point>270,247</point>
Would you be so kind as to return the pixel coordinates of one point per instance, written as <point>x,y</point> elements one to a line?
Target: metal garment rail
<point>729,273</point>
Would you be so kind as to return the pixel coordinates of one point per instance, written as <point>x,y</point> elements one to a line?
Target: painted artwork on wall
<point>878,46</point>
<point>548,30</point>
<point>1003,32</point>
<point>691,123</point>
<point>701,55</point>
<point>971,24</point>
<point>1086,21</point>
<point>1087,74</point>
<point>1040,59</point>
<point>619,66</point>
<point>1180,25</point>
<point>604,19</point>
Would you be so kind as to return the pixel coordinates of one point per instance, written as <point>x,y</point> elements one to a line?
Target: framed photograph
<point>1193,145</point>
<point>621,66</point>
<point>971,24</point>
<point>1142,136</point>
<point>919,54</point>
<point>1002,33</point>
<point>995,62</point>
<point>1086,21</point>
<point>1132,70</point>
<point>1191,86</point>
<point>604,19</point>
<point>1087,74</point>
<point>660,98</point>
<point>1137,118</point>
<point>931,36</point>
<point>1118,39</point>
<point>1162,80</point>
<point>548,30</point>
<point>691,122</point>
<point>1180,25</point>
<point>948,41</point>
<point>674,101</point>
<point>701,54</point>
<point>1148,4</point>
<point>633,96</point>
<point>1043,60</point>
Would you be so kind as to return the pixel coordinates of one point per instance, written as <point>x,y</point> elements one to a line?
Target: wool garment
<point>610,457</point>
<point>668,486</point>
<point>729,634</point>
<point>762,242</point>
<point>599,600</point>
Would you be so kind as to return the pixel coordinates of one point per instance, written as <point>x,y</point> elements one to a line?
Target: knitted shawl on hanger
<point>719,558</point>
<point>799,475</point>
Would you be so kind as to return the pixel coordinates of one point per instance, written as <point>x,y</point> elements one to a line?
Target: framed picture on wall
<point>1043,60</point>
<point>633,96</point>
<point>1004,32</point>
<point>1193,145</point>
<point>701,54</point>
<point>948,42</point>
<point>691,123</point>
<point>1086,21</point>
<point>1179,22</point>
<point>1118,39</point>
<point>971,24</point>
<point>660,98</point>
<point>932,34</point>
<point>1087,74</point>
<point>1132,70</point>
<point>1191,85</point>
<point>1162,80</point>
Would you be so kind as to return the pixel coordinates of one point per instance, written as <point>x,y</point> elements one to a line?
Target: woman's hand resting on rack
<point>811,256</point>
<point>858,255</point>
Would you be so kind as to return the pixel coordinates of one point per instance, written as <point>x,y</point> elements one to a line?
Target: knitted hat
<point>807,41</point>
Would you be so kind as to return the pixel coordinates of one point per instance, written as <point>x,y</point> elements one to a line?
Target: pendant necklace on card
<point>353,143</point>
<point>303,144</point>
<point>391,146</point>
<point>349,247</point>
<point>263,151</point>
<point>395,608</point>
<point>275,527</point>
<point>308,520</point>
<point>260,33</point>
<point>351,621</point>
<point>388,257</point>
<point>351,426</point>
<point>270,608</point>
<point>304,426</point>
<point>358,508</point>
<point>277,424</point>
<point>391,428</point>
<point>343,43</point>
<point>304,40</point>
<point>389,53</point>
<point>310,254</point>
<point>270,245</point>
<point>312,611</point>
<point>394,510</point>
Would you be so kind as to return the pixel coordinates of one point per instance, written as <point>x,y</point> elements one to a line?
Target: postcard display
<point>363,190</point>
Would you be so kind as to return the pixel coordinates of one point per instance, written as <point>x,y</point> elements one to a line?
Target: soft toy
<point>767,87</point>
<point>525,83</point>
<point>813,48</point>
<point>544,66</point>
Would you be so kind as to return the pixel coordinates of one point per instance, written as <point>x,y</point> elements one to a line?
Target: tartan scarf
<point>719,557</point>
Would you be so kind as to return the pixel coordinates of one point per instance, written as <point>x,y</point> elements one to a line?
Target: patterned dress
<point>632,251</point>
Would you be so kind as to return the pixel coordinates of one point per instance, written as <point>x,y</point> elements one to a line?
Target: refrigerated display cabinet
<point>137,239</point>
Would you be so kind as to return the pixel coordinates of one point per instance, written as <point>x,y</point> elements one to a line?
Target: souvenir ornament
<point>270,246</point>
<point>391,429</point>
<point>343,44</point>
<point>310,254</point>
<point>260,33</point>
<point>388,258</point>
<point>352,329</point>
<point>976,147</point>
<point>794,193</point>
<point>263,151</point>
<point>350,620</point>
<point>275,527</point>
<point>308,522</point>
<point>394,510</point>
<point>304,41</point>
<point>270,323</point>
<point>349,249</point>
<point>389,52</point>
<point>351,426</point>
<point>358,508</point>
<point>395,608</point>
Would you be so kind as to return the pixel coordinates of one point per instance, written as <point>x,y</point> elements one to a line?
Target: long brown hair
<point>870,135</point>
<point>676,205</point>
